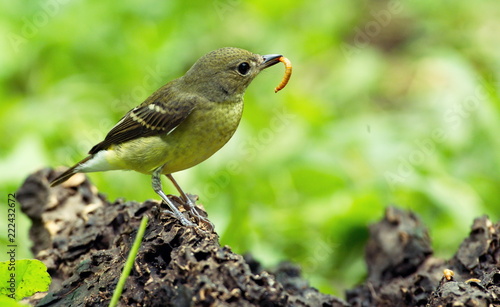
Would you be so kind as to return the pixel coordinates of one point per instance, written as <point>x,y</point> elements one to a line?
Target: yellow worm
<point>288,73</point>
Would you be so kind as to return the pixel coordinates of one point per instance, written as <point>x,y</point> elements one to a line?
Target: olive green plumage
<point>184,122</point>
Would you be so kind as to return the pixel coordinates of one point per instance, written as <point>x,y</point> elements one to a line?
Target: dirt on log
<point>84,241</point>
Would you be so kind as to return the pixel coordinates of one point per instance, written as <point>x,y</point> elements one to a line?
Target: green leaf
<point>23,279</point>
<point>9,302</point>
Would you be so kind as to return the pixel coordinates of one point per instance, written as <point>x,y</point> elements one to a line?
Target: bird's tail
<point>70,172</point>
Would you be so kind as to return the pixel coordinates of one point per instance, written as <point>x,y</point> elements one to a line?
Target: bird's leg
<point>188,202</point>
<point>156,180</point>
<point>184,197</point>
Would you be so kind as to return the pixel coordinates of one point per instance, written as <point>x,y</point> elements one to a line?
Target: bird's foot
<point>178,215</point>
<point>190,204</point>
<point>173,204</point>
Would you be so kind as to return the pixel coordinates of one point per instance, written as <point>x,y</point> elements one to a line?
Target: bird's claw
<point>190,204</point>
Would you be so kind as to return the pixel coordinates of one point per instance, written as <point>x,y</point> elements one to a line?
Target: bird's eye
<point>244,68</point>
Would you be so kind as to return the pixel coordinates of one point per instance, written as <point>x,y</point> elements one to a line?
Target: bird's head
<point>225,73</point>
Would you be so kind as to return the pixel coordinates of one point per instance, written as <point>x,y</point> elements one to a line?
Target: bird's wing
<point>150,118</point>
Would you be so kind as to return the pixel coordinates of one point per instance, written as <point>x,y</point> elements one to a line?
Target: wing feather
<point>153,117</point>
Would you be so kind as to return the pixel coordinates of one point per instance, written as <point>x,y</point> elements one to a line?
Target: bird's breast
<point>203,133</point>
<point>198,137</point>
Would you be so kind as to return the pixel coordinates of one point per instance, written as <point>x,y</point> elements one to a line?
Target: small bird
<point>181,124</point>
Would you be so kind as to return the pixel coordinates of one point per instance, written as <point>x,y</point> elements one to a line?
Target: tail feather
<point>67,174</point>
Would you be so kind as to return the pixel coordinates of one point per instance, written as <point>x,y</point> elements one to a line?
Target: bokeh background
<point>390,102</point>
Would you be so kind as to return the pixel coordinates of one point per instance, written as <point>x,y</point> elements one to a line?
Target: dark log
<point>84,241</point>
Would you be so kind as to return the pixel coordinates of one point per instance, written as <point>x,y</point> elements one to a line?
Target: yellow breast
<point>203,133</point>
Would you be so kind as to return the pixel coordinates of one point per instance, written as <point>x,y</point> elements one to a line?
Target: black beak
<point>270,60</point>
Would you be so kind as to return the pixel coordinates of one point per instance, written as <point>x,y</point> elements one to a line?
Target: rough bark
<point>403,272</point>
<point>84,241</point>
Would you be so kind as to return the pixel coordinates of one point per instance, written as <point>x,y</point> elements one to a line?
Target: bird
<point>181,124</point>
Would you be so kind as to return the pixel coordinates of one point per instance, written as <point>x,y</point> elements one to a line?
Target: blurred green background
<point>390,102</point>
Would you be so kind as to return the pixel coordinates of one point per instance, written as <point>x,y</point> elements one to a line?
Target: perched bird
<point>181,124</point>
